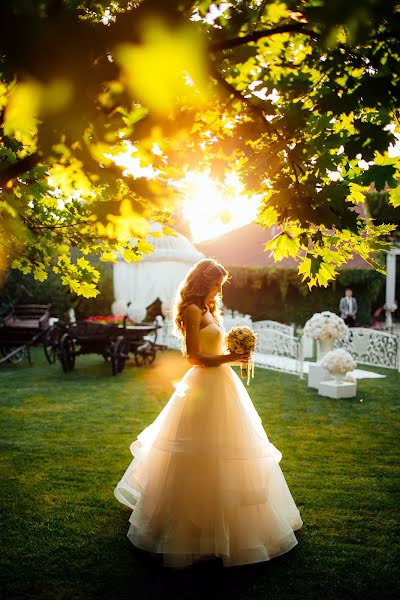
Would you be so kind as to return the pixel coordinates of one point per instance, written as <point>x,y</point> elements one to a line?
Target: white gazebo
<point>390,302</point>
<point>157,275</point>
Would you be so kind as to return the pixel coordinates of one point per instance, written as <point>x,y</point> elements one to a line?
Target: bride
<point>205,481</point>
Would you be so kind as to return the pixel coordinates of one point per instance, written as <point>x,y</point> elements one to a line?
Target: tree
<point>106,105</point>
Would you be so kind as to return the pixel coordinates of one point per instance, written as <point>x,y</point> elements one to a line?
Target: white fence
<point>372,347</point>
<point>235,320</point>
<point>274,325</point>
<point>277,347</point>
<point>279,351</point>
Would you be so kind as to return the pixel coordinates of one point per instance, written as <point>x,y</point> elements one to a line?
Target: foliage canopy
<point>106,105</point>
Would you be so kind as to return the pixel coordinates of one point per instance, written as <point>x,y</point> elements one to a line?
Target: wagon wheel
<point>119,355</point>
<point>151,337</point>
<point>50,344</point>
<point>145,355</point>
<point>67,353</point>
<point>17,357</point>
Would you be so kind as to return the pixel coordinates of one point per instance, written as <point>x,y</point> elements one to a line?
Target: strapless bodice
<point>211,338</point>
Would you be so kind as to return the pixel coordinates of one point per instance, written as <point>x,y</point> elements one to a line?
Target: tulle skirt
<point>205,481</point>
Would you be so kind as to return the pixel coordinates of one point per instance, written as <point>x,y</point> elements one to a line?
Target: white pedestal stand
<point>316,374</point>
<point>337,389</point>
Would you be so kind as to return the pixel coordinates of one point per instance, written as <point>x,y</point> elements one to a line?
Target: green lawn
<point>65,443</point>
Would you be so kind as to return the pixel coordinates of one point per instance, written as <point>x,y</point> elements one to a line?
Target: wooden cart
<point>66,341</point>
<point>24,326</point>
<point>141,341</point>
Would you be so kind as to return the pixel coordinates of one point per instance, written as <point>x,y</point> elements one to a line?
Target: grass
<point>65,444</point>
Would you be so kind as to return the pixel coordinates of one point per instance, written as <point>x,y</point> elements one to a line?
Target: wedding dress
<point>205,481</point>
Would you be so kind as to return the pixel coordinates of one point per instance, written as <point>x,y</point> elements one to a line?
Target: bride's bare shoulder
<point>192,310</point>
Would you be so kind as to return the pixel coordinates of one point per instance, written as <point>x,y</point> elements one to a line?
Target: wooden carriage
<point>22,327</point>
<point>114,342</point>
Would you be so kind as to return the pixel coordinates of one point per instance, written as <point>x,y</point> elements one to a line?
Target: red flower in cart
<point>109,319</point>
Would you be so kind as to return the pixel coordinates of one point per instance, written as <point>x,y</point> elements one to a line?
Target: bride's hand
<point>239,358</point>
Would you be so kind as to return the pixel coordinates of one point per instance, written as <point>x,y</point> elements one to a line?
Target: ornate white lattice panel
<point>278,351</point>
<point>281,327</point>
<point>372,347</point>
<point>236,320</point>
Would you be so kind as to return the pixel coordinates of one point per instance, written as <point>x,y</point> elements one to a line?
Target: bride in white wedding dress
<point>205,480</point>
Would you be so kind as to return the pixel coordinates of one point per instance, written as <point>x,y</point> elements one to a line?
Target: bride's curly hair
<point>194,289</point>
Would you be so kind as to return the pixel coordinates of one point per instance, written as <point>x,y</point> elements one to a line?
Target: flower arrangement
<point>242,340</point>
<point>326,325</point>
<point>108,319</point>
<point>338,361</point>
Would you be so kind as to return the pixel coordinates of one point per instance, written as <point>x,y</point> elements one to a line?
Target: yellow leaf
<point>145,247</point>
<point>324,274</point>
<point>39,274</point>
<point>131,256</point>
<point>384,160</point>
<point>87,290</point>
<point>357,193</point>
<point>22,109</point>
<point>70,178</point>
<point>304,268</point>
<point>277,11</point>
<point>16,264</point>
<point>168,231</point>
<point>394,196</point>
<point>83,263</point>
<point>109,257</point>
<point>56,95</point>
<point>169,64</point>
<point>129,223</point>
<point>267,217</point>
<point>283,245</point>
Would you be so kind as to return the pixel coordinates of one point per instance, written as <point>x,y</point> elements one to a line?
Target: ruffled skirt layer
<point>206,481</point>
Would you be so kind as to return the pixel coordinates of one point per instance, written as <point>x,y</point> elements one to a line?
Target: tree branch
<point>258,113</point>
<point>29,258</point>
<point>237,94</point>
<point>35,227</point>
<point>257,35</point>
<point>19,168</point>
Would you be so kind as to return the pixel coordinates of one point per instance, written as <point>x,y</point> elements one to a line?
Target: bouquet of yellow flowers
<point>242,340</point>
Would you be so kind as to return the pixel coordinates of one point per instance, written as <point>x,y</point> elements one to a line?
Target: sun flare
<point>214,208</point>
<point>211,207</point>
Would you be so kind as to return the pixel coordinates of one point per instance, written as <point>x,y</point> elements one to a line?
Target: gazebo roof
<point>171,248</point>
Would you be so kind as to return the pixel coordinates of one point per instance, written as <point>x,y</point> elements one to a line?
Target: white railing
<point>372,347</point>
<point>281,327</point>
<point>236,320</point>
<point>279,351</point>
<point>277,347</point>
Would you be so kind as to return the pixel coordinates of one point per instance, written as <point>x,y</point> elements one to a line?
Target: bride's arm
<point>192,319</point>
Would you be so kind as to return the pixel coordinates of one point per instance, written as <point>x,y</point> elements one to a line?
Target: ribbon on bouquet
<point>247,370</point>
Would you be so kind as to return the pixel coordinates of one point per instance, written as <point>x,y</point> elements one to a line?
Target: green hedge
<point>264,293</point>
<point>278,294</point>
<point>23,289</point>
<point>381,210</point>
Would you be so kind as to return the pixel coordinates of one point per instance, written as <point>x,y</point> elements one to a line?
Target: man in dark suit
<point>348,308</point>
